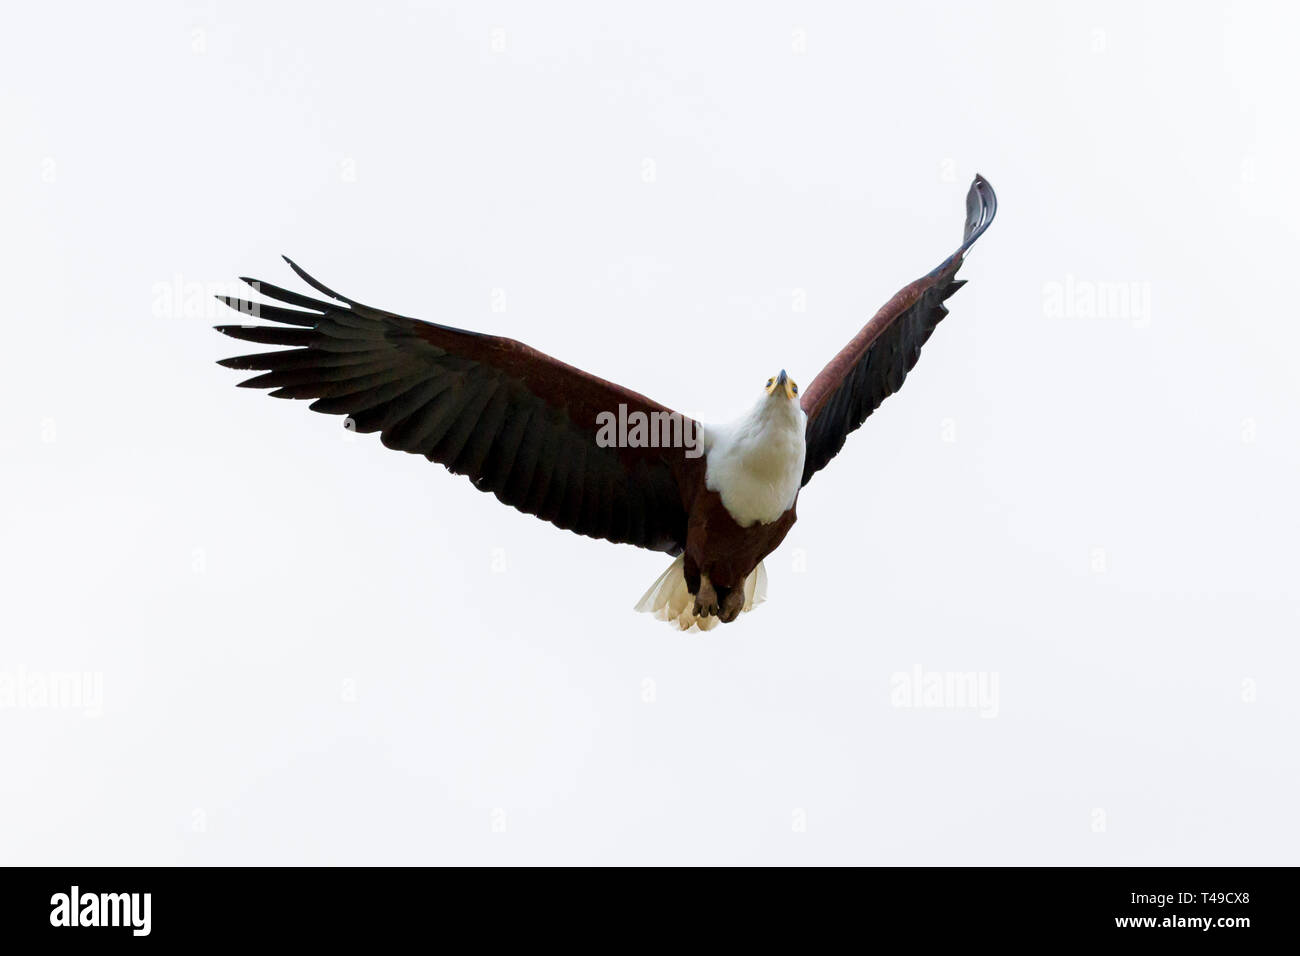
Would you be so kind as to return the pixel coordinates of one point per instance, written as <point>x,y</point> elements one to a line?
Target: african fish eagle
<point>540,434</point>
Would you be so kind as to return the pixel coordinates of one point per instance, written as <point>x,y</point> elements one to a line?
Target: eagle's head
<point>782,386</point>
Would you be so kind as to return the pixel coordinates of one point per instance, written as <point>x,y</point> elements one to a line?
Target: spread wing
<point>872,366</point>
<point>518,423</point>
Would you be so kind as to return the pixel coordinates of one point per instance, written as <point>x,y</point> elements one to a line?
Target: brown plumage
<point>528,428</point>
<point>873,365</point>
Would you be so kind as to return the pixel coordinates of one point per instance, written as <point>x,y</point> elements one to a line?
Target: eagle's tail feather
<point>669,600</point>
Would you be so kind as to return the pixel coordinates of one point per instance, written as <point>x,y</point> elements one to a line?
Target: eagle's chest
<point>757,471</point>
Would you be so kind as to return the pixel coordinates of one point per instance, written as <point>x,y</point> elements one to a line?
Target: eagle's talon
<point>732,605</point>
<point>706,600</point>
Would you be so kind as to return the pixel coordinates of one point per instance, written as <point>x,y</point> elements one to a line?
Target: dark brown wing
<point>520,424</point>
<point>872,366</point>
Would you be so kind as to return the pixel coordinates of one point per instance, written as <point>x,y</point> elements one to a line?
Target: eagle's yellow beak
<point>784,383</point>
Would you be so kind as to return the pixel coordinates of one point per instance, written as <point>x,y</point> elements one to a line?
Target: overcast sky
<point>296,646</point>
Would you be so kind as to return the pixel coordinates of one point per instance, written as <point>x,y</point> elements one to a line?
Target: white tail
<point>669,600</point>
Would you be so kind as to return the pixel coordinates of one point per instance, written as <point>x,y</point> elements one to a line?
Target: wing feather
<point>875,363</point>
<point>517,422</point>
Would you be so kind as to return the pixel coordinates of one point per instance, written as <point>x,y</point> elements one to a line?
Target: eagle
<point>588,455</point>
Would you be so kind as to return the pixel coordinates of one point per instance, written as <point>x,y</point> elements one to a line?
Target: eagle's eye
<point>770,381</point>
<point>794,389</point>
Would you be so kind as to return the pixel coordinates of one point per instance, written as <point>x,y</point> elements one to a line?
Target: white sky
<point>305,652</point>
